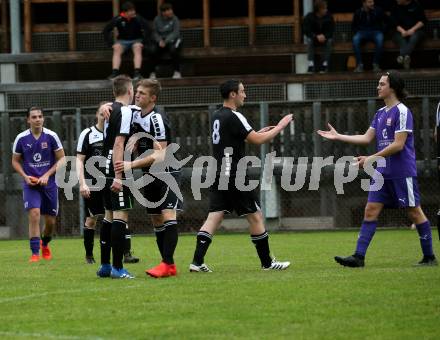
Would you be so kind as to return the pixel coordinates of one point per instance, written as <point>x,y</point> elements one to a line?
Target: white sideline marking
<point>73,291</point>
<point>46,335</point>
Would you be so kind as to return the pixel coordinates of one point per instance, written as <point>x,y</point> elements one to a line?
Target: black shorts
<point>94,205</point>
<point>243,202</point>
<point>122,200</point>
<point>160,197</point>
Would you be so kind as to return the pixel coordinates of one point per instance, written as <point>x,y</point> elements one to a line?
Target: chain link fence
<point>309,207</point>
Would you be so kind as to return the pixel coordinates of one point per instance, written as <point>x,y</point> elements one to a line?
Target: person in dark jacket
<point>133,32</point>
<point>368,25</point>
<point>318,28</point>
<point>409,19</point>
<point>166,38</point>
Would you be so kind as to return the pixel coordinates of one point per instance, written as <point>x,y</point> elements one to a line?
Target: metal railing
<point>299,209</point>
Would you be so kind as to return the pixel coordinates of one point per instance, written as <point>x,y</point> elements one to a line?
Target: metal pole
<point>80,198</point>
<point>426,136</point>
<point>14,13</point>
<point>371,104</point>
<point>264,118</point>
<point>6,152</point>
<point>317,140</point>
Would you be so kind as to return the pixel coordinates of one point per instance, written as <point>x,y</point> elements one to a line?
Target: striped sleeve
<point>158,127</point>
<point>404,120</point>
<point>126,118</point>
<point>83,142</point>
<point>56,142</point>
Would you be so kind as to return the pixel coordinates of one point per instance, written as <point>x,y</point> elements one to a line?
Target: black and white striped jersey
<point>90,143</point>
<point>119,124</point>
<point>154,123</point>
<point>229,131</point>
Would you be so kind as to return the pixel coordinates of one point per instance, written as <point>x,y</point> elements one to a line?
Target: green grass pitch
<point>314,299</point>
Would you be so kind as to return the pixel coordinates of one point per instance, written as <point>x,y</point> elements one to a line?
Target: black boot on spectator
<point>137,74</point>
<point>115,73</point>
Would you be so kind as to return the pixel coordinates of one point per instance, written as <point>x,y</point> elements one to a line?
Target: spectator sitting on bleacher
<point>368,25</point>
<point>166,36</point>
<point>318,27</point>
<point>133,32</point>
<point>409,19</point>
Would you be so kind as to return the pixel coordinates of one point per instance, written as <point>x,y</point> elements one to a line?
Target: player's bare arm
<point>157,156</point>
<point>16,164</point>
<point>332,134</point>
<point>118,154</point>
<point>266,136</point>
<point>84,190</point>
<point>393,148</point>
<point>59,161</point>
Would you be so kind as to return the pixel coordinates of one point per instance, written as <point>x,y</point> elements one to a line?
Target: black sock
<point>170,238</point>
<point>262,245</point>
<point>89,235</point>
<point>204,239</point>
<point>127,241</point>
<point>45,240</point>
<point>118,240</point>
<point>160,232</point>
<point>137,70</point>
<point>105,241</point>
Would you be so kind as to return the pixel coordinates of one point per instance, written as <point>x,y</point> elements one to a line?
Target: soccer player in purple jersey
<point>36,153</point>
<point>437,139</point>
<point>392,127</point>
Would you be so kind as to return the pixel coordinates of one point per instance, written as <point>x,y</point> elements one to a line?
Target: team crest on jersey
<point>389,120</point>
<point>44,145</point>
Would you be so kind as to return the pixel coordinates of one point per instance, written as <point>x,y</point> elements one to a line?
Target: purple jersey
<point>386,124</point>
<point>38,154</point>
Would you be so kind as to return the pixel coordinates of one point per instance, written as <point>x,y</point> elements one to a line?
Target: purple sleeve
<point>404,120</point>
<point>373,124</point>
<point>18,147</point>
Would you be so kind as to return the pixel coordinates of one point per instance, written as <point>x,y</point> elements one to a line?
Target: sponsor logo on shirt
<point>384,134</point>
<point>37,157</point>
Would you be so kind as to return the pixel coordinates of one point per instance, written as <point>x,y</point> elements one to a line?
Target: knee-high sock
<point>89,235</point>
<point>34,244</point>
<point>204,239</point>
<point>127,241</point>
<point>105,241</point>
<point>170,238</point>
<point>425,235</point>
<point>118,240</point>
<point>261,243</point>
<point>368,229</point>
<point>160,232</point>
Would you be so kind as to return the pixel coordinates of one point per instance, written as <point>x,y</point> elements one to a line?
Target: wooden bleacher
<point>202,57</point>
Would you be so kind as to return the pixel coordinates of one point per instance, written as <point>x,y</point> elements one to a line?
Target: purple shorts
<point>397,193</point>
<point>44,198</point>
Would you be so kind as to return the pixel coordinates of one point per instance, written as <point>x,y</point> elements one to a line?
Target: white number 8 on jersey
<point>216,132</point>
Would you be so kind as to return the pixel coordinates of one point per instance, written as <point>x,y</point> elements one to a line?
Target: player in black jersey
<point>91,143</point>
<point>163,202</point>
<point>117,197</point>
<point>437,138</point>
<point>230,130</point>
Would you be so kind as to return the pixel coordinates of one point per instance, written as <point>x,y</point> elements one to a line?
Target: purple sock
<point>368,228</point>
<point>35,245</point>
<point>424,230</point>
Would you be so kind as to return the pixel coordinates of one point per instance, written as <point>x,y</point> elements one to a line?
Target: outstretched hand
<point>265,129</point>
<point>331,134</point>
<point>285,121</point>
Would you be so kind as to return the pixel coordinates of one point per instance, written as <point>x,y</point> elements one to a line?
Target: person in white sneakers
<point>230,131</point>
